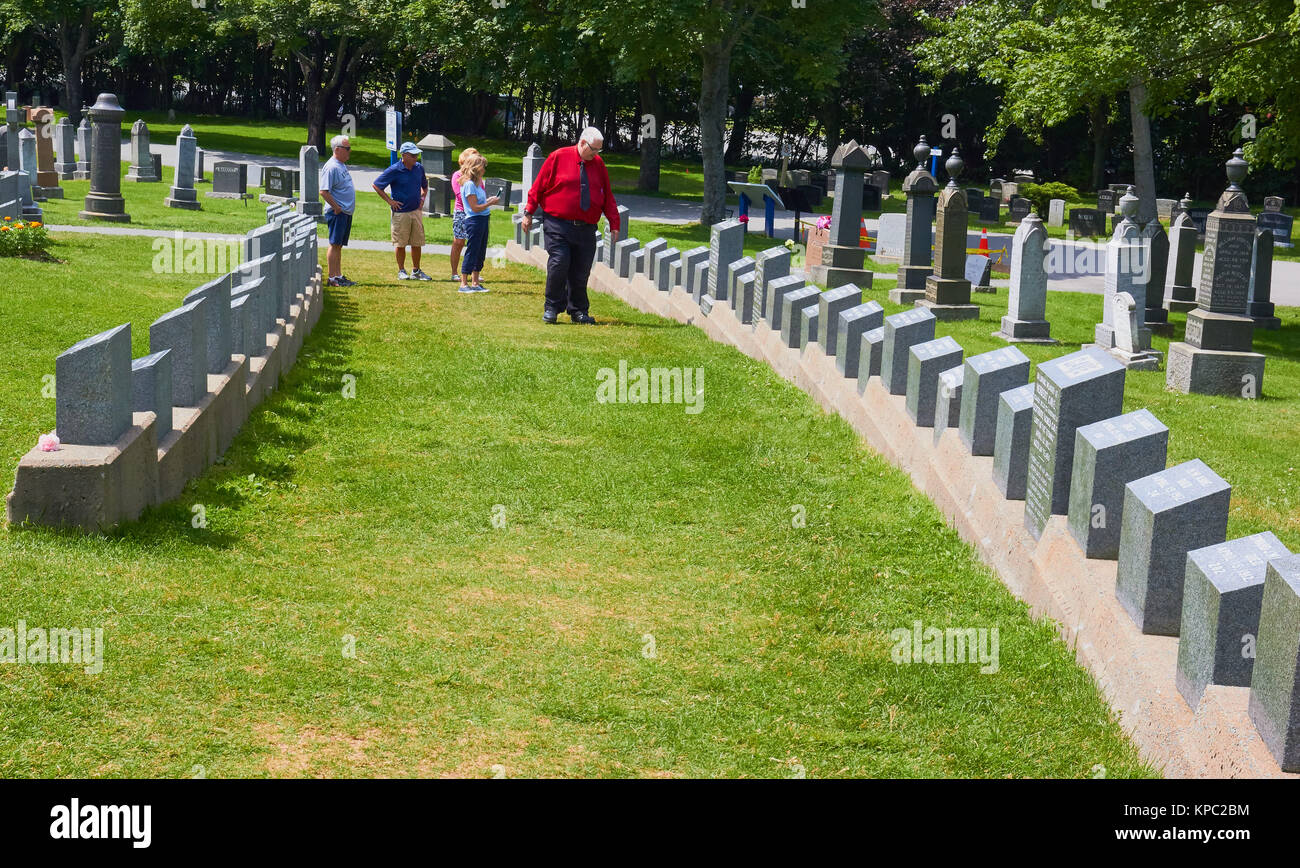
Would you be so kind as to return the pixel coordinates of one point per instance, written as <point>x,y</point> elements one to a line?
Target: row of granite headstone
<point>1060,443</point>
<point>99,385</point>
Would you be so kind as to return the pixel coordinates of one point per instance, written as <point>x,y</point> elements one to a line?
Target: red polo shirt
<point>558,192</point>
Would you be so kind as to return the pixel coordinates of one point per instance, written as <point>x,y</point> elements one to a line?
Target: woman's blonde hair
<point>474,169</point>
<point>466,154</point>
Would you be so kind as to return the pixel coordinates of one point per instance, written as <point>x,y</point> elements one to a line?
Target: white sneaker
<point>420,275</point>
<point>466,289</point>
<point>402,275</point>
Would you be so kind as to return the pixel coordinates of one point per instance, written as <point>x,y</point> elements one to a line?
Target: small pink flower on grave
<point>48,442</point>
<point>743,218</point>
<point>824,221</point>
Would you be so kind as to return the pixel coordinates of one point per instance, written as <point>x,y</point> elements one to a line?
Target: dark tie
<point>584,201</point>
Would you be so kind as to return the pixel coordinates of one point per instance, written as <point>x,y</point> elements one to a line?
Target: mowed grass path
<point>648,607</point>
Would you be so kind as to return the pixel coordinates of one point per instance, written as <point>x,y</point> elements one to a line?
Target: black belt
<point>567,221</point>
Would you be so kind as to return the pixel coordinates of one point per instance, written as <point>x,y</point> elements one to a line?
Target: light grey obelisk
<point>182,192</point>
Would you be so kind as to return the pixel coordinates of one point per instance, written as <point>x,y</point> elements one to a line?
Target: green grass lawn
<point>644,605</point>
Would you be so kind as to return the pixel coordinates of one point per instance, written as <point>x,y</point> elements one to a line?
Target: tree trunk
<point>530,105</point>
<point>715,73</point>
<point>650,122</point>
<point>74,46</point>
<point>1100,143</point>
<point>400,86</point>
<point>1144,163</point>
<point>833,113</point>
<point>740,125</point>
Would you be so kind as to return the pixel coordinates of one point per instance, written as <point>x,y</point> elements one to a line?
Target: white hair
<point>591,135</point>
<point>338,142</point>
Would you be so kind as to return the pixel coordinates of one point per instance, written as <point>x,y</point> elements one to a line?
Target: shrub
<point>1041,194</point>
<point>23,239</point>
<point>755,174</point>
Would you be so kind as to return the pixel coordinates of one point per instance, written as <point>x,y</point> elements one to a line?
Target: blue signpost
<point>748,193</point>
<point>393,133</point>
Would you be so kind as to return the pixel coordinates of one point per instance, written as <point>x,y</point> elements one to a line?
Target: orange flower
<point>35,225</point>
<point>9,218</point>
<point>4,228</point>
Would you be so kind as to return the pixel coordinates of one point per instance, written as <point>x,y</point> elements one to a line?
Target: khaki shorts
<point>408,228</point>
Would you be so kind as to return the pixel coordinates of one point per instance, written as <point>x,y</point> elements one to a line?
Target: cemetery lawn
<point>645,608</point>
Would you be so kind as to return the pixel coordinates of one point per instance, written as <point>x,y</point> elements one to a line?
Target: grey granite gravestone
<point>1011,441</point>
<point>947,408</point>
<point>278,183</point>
<point>243,322</point>
<point>926,361</point>
<point>151,389</point>
<point>30,191</point>
<point>229,180</point>
<point>92,396</point>
<point>1056,212</point>
<point>990,210</point>
<point>1107,456</point>
<point>769,265</point>
<point>831,304</point>
<point>532,164</point>
<point>65,138</point>
<point>636,262</point>
<point>663,268</point>
<point>776,292</point>
<point>890,236</point>
<point>842,257</point>
<point>995,188</point>
<point>743,297</point>
<point>1018,209</point>
<point>1125,318</point>
<point>623,251</point>
<point>1166,515</point>
<point>1260,306</point>
<point>1216,354</point>
<point>808,326</point>
<point>1280,225</point>
<point>690,259</point>
<point>1155,245</point>
<point>1126,272</point>
<point>183,332</point>
<point>157,166</point>
<point>182,192</point>
<point>1182,255</point>
<point>141,168</point>
<point>974,199</point>
<point>14,120</point>
<point>849,328</point>
<point>1165,209</point>
<point>1106,201</point>
<point>792,305</point>
<point>870,352</point>
<point>947,291</point>
<point>744,265</point>
<point>978,272</point>
<point>217,327</point>
<point>1026,318</point>
<point>902,332</point>
<point>200,166</point>
<point>1070,391</point>
<point>11,203</point>
<point>1087,222</point>
<point>1274,203</point>
<point>700,281</point>
<point>1274,705</point>
<point>985,378</point>
<point>1222,592</point>
<point>309,167</point>
<point>726,245</point>
<point>920,188</point>
<point>85,149</point>
<point>501,188</point>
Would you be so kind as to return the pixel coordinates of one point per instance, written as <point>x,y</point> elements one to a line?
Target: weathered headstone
<point>229,180</point>
<point>151,389</point>
<point>1070,391</point>
<point>65,138</point>
<point>920,188</point>
<point>309,168</point>
<point>1107,456</point>
<point>1182,255</point>
<point>974,199</point>
<point>1165,209</point>
<point>843,258</point>
<point>1167,515</point>
<point>14,120</point>
<point>1274,203</point>
<point>278,183</point>
<point>183,332</point>
<point>990,210</point>
<point>217,327</point>
<point>830,305</point>
<point>11,203</point>
<point>200,166</point>
<point>1216,355</point>
<point>947,291</point>
<point>85,148</point>
<point>995,188</point>
<point>1155,244</point>
<point>1280,225</point>
<point>141,168</point>
<point>890,236</point>
<point>902,332</point>
<point>47,177</point>
<point>851,325</point>
<point>1106,201</point>
<point>1011,441</point>
<point>979,272</point>
<point>926,361</point>
<point>726,245</point>
<point>1223,590</point>
<point>1126,324</point>
<point>182,192</point>
<point>104,201</point>
<point>1056,212</point>
<point>1126,272</point>
<point>985,378</point>
<point>499,187</point>
<point>1026,318</point>
<point>1274,705</point>
<point>1087,222</point>
<point>792,306</point>
<point>92,397</point>
<point>1260,307</point>
<point>1018,209</point>
<point>870,199</point>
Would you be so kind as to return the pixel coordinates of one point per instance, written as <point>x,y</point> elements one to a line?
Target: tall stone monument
<point>141,168</point>
<point>1155,246</point>
<point>14,119</point>
<point>843,258</point>
<point>65,138</point>
<point>82,172</point>
<point>1217,355</point>
<point>309,168</point>
<point>47,178</point>
<point>1182,256</point>
<point>1261,307</point>
<point>105,202</point>
<point>1128,270</point>
<point>1026,319</point>
<point>533,160</point>
<point>919,187</point>
<point>182,192</point>
<point>947,291</point>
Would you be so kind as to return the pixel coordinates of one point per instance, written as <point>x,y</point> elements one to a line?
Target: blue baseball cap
<point>409,148</point>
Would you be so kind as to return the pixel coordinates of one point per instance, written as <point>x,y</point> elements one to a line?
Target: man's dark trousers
<point>571,248</point>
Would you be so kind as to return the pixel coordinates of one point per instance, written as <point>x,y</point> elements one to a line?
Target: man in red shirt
<point>572,189</point>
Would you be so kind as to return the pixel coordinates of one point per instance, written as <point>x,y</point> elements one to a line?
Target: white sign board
<point>392,129</point>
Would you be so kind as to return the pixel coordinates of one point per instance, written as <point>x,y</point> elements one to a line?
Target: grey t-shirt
<point>337,180</point>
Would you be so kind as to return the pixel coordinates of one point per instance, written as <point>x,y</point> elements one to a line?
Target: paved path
<point>1080,264</point>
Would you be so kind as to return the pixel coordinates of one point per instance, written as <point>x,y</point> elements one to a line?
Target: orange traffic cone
<point>984,240</point>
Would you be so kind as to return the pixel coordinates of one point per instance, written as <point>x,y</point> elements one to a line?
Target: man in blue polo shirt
<point>337,191</point>
<point>409,186</point>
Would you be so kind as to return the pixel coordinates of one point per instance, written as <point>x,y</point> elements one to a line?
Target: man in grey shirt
<point>337,191</point>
